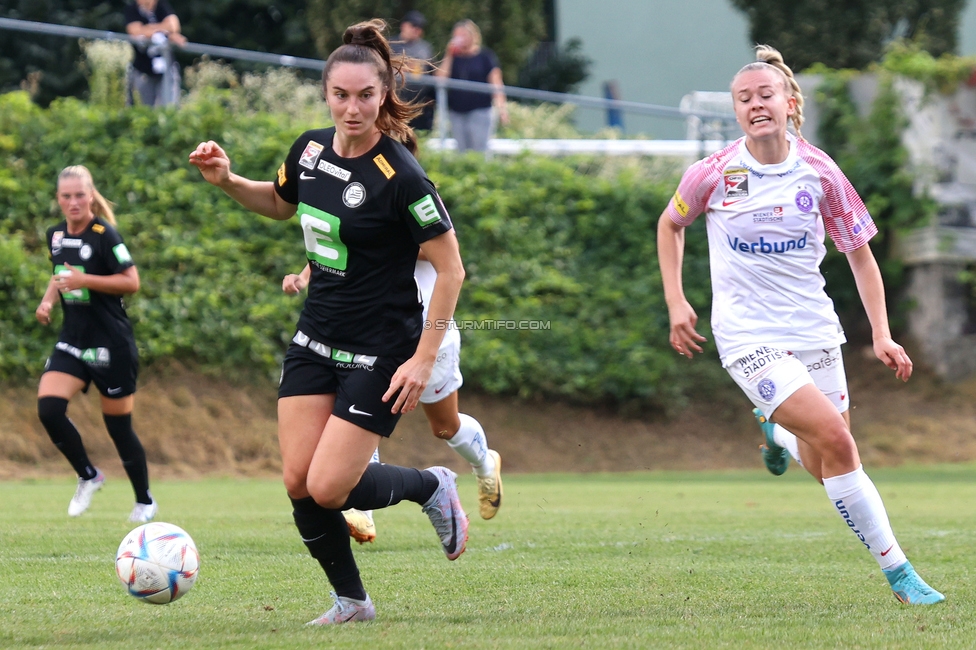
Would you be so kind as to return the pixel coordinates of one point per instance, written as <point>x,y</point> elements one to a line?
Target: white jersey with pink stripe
<point>766,226</point>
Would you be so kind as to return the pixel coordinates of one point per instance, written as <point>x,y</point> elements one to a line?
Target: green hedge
<point>547,240</point>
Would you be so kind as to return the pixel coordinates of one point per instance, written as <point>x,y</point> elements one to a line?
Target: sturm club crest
<point>767,390</point>
<point>354,195</point>
<point>85,252</point>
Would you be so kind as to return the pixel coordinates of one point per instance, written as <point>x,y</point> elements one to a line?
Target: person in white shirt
<point>768,199</point>
<point>462,433</point>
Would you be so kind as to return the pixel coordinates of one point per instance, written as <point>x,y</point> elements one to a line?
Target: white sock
<point>787,440</point>
<point>857,501</point>
<point>470,443</point>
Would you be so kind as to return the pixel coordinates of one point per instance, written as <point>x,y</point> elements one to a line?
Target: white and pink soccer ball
<point>157,563</point>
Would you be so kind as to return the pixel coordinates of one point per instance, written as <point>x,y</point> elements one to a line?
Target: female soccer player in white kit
<point>768,198</point>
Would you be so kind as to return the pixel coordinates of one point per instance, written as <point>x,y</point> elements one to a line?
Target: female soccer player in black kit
<point>92,271</point>
<point>361,355</point>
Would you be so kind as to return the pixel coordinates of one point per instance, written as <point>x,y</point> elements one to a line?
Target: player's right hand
<point>212,161</point>
<point>293,283</point>
<point>43,313</point>
<point>684,337</point>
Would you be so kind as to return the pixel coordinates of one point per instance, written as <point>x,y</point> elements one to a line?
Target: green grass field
<point>667,560</point>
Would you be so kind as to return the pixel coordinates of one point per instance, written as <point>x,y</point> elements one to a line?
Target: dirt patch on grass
<point>191,424</point>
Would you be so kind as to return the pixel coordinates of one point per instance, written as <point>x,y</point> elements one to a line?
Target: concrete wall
<point>657,50</point>
<point>967,30</point>
<point>660,50</point>
<point>939,321</point>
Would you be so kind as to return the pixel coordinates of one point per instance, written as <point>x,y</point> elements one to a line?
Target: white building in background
<point>658,51</point>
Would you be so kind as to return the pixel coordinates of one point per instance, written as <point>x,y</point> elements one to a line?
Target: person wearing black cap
<point>419,54</point>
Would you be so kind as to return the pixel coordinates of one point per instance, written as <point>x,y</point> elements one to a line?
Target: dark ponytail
<point>365,43</point>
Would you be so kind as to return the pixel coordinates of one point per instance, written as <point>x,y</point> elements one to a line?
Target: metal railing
<point>442,85</point>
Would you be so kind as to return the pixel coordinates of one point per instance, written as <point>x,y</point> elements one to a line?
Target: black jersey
<point>91,318</point>
<point>362,220</point>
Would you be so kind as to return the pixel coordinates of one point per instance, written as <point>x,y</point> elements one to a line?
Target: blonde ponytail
<point>101,206</point>
<point>771,57</point>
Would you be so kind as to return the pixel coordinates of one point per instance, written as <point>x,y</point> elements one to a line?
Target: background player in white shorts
<point>463,433</point>
<point>768,199</point>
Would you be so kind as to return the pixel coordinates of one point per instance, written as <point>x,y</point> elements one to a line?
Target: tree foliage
<point>560,242</point>
<point>509,27</point>
<point>562,71</point>
<point>48,65</point>
<point>871,153</point>
<point>850,33</point>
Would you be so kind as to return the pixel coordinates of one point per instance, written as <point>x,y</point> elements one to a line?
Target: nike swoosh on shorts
<point>353,409</point>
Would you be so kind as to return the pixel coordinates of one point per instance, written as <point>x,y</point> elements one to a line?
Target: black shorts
<point>113,370</point>
<point>358,386</point>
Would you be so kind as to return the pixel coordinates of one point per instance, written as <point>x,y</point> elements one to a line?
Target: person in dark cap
<point>420,54</point>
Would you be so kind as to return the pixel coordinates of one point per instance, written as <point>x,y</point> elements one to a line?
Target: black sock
<point>131,452</point>
<point>53,414</point>
<point>386,485</point>
<point>326,536</point>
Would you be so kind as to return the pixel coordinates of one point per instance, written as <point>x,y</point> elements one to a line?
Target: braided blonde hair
<point>769,57</point>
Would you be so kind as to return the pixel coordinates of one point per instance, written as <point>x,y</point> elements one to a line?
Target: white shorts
<point>446,377</point>
<point>770,375</point>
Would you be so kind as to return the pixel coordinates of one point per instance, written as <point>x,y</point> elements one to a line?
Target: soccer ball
<point>157,562</point>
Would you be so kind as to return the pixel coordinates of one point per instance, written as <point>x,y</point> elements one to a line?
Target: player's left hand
<point>410,379</point>
<point>293,283</point>
<point>893,356</point>
<point>70,279</point>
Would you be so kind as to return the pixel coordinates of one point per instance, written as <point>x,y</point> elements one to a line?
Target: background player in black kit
<point>92,271</point>
<point>361,355</point>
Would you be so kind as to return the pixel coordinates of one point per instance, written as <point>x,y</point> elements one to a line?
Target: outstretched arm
<point>870,287</point>
<point>256,196</point>
<point>670,252</point>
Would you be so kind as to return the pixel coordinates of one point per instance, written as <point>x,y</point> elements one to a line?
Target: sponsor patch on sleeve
<point>122,254</point>
<point>311,154</point>
<point>425,211</point>
<point>98,228</point>
<point>680,205</point>
<point>282,175</point>
<point>384,166</point>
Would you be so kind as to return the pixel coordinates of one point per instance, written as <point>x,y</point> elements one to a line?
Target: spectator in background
<point>155,21</point>
<point>470,112</point>
<point>615,116</point>
<point>419,55</point>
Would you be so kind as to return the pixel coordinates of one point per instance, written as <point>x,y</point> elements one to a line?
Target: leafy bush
<point>578,252</point>
<point>570,243</point>
<point>107,62</point>
<point>871,153</point>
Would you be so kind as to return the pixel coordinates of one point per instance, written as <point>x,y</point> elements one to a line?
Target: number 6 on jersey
<point>321,232</point>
